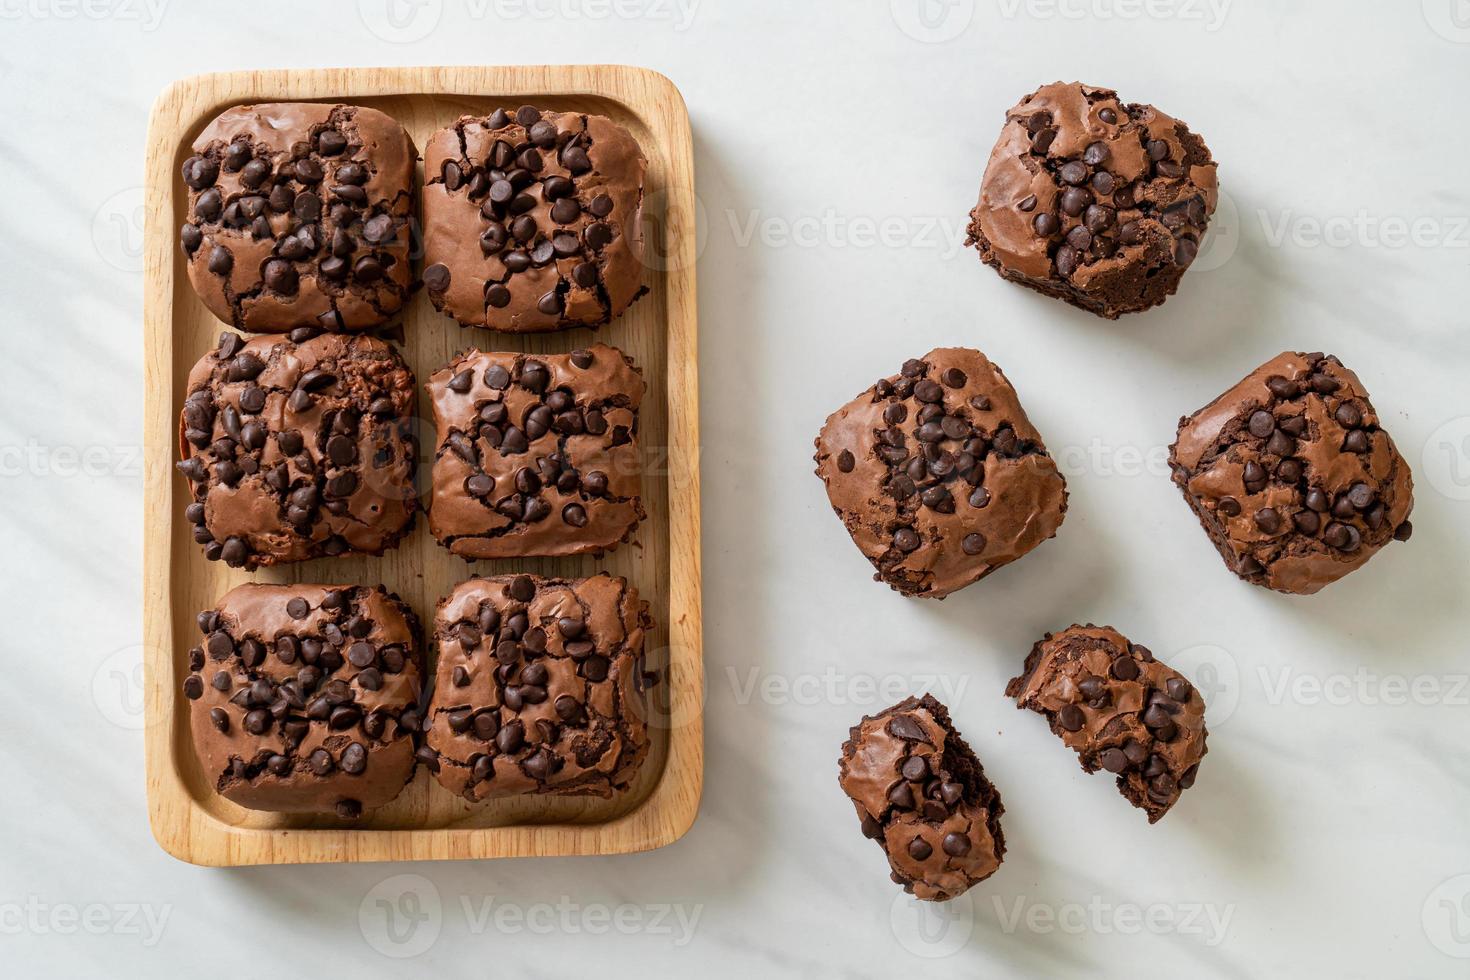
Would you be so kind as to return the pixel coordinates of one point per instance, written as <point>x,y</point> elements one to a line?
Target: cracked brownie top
<point>938,475</point>
<point>1096,201</point>
<point>304,697</point>
<point>533,220</point>
<point>540,687</point>
<point>1292,476</point>
<point>297,451</point>
<point>1119,709</point>
<point>536,454</point>
<point>299,217</point>
<point>921,793</point>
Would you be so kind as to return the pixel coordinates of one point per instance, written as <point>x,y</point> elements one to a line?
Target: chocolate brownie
<point>1291,476</point>
<point>1095,201</point>
<point>304,697</point>
<point>922,795</point>
<point>1119,709</point>
<point>299,216</point>
<point>540,687</point>
<point>938,475</point>
<point>536,455</point>
<point>533,220</point>
<point>298,450</point>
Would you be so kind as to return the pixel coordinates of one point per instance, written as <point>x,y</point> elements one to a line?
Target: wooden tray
<point>188,818</point>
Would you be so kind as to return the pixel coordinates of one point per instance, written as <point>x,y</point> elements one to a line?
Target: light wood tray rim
<point>186,830</point>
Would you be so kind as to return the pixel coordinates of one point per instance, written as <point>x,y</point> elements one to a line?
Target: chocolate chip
<point>436,277</point>
<point>1124,668</point>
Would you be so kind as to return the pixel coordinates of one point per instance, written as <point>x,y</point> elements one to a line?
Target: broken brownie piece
<point>1119,709</point>
<point>922,795</point>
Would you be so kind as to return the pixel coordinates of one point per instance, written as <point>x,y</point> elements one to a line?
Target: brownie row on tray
<point>315,698</point>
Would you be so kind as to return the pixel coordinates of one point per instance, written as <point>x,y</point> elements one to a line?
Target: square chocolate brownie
<point>540,687</point>
<point>533,220</point>
<point>1099,202</point>
<point>1291,475</point>
<point>299,216</point>
<point>938,475</point>
<point>299,450</point>
<point>536,454</point>
<point>305,697</point>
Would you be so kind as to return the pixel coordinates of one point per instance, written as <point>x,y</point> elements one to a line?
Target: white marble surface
<point>837,154</point>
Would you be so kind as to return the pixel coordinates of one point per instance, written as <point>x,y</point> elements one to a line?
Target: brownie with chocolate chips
<point>536,455</point>
<point>1119,709</point>
<point>533,220</point>
<point>938,475</point>
<point>922,795</point>
<point>540,687</point>
<point>1092,200</point>
<point>298,450</point>
<point>1291,475</point>
<point>305,697</point>
<point>299,216</point>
